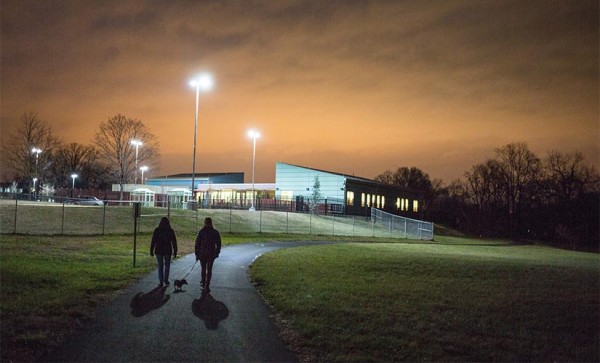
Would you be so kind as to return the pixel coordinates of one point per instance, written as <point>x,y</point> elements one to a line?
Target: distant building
<point>342,193</point>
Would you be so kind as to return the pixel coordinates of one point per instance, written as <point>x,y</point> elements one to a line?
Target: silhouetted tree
<point>519,170</point>
<point>83,160</point>
<point>32,132</point>
<point>113,140</point>
<point>414,179</point>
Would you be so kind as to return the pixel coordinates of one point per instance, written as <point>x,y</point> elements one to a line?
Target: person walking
<point>163,245</point>
<point>207,248</point>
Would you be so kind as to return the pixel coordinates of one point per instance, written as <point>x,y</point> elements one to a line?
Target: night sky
<point>355,87</point>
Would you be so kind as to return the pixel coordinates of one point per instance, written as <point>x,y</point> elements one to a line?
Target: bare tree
<point>85,161</point>
<point>32,133</point>
<point>519,169</point>
<point>415,179</point>
<point>113,140</point>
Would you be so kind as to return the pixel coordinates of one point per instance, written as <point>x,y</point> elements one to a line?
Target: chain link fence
<point>68,216</point>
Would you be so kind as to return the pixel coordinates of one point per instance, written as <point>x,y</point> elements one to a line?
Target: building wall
<point>293,181</point>
<point>345,194</point>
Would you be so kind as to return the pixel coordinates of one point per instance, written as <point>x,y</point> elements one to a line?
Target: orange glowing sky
<point>355,87</point>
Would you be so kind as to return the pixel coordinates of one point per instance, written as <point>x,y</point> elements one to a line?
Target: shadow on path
<point>210,310</point>
<point>143,303</point>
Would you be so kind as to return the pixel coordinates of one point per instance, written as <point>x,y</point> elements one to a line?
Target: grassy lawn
<point>460,300</point>
<point>51,284</point>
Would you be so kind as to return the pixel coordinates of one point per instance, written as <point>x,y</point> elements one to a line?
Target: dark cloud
<point>399,80</point>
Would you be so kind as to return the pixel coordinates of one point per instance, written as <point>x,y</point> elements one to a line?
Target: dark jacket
<point>208,242</point>
<point>164,242</point>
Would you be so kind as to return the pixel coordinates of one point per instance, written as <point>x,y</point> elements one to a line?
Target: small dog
<point>179,283</point>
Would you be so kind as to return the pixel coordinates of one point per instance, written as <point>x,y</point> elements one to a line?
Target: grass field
<point>436,302</point>
<point>456,298</point>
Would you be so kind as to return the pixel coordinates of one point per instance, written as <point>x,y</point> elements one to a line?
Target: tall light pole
<point>37,151</point>
<point>74,176</point>
<point>202,82</point>
<point>254,135</point>
<point>34,180</point>
<point>137,144</point>
<point>143,169</point>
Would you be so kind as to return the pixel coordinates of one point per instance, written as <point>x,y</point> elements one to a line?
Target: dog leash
<point>194,265</point>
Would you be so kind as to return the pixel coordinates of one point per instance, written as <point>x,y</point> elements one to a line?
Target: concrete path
<point>231,324</point>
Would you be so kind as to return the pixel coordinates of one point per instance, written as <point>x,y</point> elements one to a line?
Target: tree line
<point>110,158</point>
<point>515,195</point>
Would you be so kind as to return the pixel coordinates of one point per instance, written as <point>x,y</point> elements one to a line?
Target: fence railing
<point>70,217</point>
<point>402,226</point>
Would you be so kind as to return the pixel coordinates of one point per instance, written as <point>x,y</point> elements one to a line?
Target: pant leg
<point>159,262</point>
<point>203,266</point>
<point>167,260</point>
<point>209,266</point>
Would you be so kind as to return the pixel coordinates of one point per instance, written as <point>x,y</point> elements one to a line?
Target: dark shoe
<point>202,283</point>
<point>167,283</point>
<point>160,284</point>
<point>207,289</point>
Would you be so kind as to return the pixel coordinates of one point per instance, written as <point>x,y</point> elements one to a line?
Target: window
<point>349,198</point>
<point>362,199</point>
<point>397,203</point>
<point>415,205</point>
<point>378,201</point>
<point>382,201</point>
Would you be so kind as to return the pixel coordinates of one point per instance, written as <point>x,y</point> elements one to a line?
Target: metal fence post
<point>104,218</point>
<point>230,217</point>
<point>62,227</point>
<point>16,207</point>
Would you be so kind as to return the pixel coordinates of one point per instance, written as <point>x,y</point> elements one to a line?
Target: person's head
<point>208,222</point>
<point>164,223</point>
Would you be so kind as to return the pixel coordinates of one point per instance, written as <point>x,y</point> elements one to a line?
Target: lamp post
<point>37,151</point>
<point>254,135</point>
<point>202,82</point>
<point>137,144</point>
<point>143,169</point>
<point>74,176</point>
<point>34,180</point>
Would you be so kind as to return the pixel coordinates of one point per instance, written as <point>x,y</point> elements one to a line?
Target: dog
<point>177,284</point>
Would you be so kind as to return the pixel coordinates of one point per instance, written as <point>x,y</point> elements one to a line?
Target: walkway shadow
<point>143,303</point>
<point>210,310</point>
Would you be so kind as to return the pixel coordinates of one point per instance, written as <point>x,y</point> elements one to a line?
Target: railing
<point>51,216</point>
<point>402,227</point>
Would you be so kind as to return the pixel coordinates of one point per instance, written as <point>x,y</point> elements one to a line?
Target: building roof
<point>352,177</point>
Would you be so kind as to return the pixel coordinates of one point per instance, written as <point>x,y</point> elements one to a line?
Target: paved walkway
<point>231,324</point>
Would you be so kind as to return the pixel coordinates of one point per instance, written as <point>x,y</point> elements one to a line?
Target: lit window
<point>378,201</point>
<point>368,200</point>
<point>397,203</point>
<point>362,199</point>
<point>382,201</point>
<point>415,205</point>
<point>349,198</point>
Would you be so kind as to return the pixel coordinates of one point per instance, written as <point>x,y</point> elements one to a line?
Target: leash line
<point>194,265</point>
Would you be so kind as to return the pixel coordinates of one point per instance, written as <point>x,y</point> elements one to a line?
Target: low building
<point>340,193</point>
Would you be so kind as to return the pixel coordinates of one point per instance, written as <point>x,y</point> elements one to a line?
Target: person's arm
<point>218,243</point>
<point>197,245</point>
<point>174,244</point>
<point>153,243</point>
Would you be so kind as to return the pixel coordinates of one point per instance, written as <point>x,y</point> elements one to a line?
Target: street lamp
<point>34,180</point>
<point>73,189</point>
<point>202,82</point>
<point>143,169</point>
<point>37,152</point>
<point>254,135</point>
<point>137,144</point>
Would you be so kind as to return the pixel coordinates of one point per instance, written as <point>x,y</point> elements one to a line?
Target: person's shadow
<point>142,303</point>
<point>210,310</point>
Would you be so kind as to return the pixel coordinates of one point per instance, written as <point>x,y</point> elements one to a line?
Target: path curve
<point>231,324</point>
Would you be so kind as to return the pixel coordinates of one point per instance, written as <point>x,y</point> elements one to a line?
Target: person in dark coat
<point>207,248</point>
<point>163,245</point>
